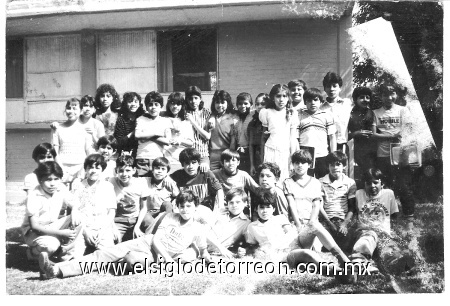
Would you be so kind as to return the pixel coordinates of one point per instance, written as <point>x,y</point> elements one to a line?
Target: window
<point>14,69</point>
<point>185,58</point>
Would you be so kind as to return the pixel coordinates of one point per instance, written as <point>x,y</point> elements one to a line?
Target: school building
<point>60,49</point>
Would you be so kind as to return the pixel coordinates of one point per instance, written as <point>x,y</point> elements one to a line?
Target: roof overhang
<point>43,17</point>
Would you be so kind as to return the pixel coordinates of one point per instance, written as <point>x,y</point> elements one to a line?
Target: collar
<point>338,100</point>
<point>229,175</point>
<point>319,111</point>
<point>240,216</point>
<point>159,185</point>
<point>336,183</point>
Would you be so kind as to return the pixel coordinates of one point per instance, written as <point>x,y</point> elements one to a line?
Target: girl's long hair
<point>127,97</point>
<point>115,104</point>
<point>177,98</point>
<point>276,89</point>
<point>221,95</point>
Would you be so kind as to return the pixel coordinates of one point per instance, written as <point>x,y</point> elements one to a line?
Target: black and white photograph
<point>224,148</point>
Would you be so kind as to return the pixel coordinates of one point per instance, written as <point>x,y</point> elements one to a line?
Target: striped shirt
<point>314,130</point>
<point>125,126</point>
<point>337,194</point>
<point>200,143</point>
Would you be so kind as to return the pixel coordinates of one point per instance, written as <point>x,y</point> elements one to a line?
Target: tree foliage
<point>418,27</point>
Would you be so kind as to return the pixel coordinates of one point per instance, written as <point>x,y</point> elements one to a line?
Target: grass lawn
<point>426,240</point>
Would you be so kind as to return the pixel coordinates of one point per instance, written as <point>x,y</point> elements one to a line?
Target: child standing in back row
<point>254,131</point>
<point>107,104</point>
<point>244,102</point>
<point>278,122</point>
<point>71,142</point>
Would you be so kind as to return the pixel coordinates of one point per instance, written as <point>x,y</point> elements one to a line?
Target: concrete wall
<point>255,56</point>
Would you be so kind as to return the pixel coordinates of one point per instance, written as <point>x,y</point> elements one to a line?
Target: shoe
<point>359,259</point>
<point>47,266</point>
<point>347,275</point>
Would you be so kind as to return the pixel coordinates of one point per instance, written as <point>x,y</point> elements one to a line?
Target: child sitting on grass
<point>229,228</point>
<point>339,198</point>
<point>42,229</point>
<point>42,152</point>
<point>303,193</point>
<point>97,204</point>
<point>174,239</point>
<point>377,209</point>
<point>131,195</point>
<point>274,237</point>
<point>204,184</point>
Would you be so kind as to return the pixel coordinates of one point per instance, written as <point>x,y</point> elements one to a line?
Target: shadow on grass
<point>16,257</point>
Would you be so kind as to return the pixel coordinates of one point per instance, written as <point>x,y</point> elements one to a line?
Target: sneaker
<point>47,267</point>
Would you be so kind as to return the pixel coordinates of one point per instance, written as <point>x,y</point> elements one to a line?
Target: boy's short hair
<point>43,149</point>
<point>236,192</point>
<point>362,91</point>
<point>331,78</point>
<point>107,140</point>
<point>244,96</point>
<point>188,155</point>
<point>48,168</point>
<point>336,157</point>
<point>297,82</point>
<point>272,167</point>
<point>372,174</point>
<point>187,195</point>
<point>95,159</point>
<point>312,93</point>
<point>161,162</point>
<point>125,160</point>
<point>229,155</point>
<point>153,96</point>
<point>266,197</point>
<point>301,156</point>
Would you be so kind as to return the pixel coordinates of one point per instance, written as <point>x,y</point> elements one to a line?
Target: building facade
<point>56,50</point>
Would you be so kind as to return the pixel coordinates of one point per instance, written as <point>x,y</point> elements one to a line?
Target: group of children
<point>268,178</point>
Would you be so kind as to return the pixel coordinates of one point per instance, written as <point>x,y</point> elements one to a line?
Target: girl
<point>199,118</point>
<point>255,133</point>
<point>222,122</point>
<point>182,131</point>
<point>107,104</point>
<point>71,142</point>
<point>281,126</point>
<point>126,123</point>
<point>42,229</point>
<point>42,153</point>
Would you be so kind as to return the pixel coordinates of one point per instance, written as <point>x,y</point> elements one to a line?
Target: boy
<point>391,119</point>
<point>339,198</point>
<point>97,204</point>
<point>297,88</point>
<point>377,209</point>
<point>303,193</point>
<point>276,237</point>
<point>269,174</point>
<point>229,228</point>
<point>316,129</point>
<point>244,102</point>
<point>204,184</point>
<point>173,240</point>
<point>131,193</point>
<point>230,176</point>
<point>340,108</point>
<point>42,228</point>
<point>42,152</point>
<point>107,147</point>
<point>152,132</point>
<point>163,191</point>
